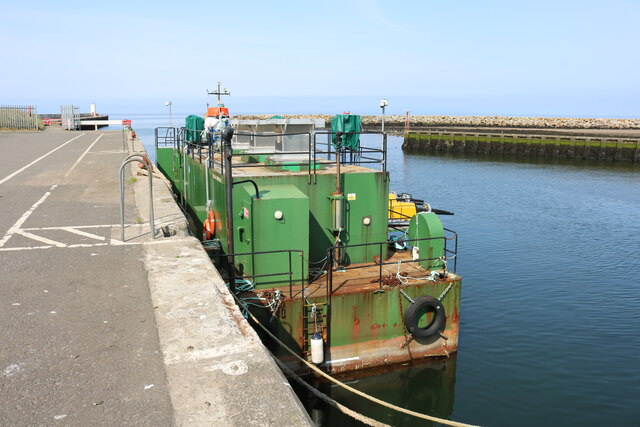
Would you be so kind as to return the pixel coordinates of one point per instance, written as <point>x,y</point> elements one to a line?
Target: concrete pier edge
<point>566,146</point>
<point>218,370</point>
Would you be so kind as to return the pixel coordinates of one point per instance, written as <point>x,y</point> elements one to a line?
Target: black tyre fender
<point>412,316</point>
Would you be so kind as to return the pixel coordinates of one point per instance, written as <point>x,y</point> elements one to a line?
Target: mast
<point>219,93</point>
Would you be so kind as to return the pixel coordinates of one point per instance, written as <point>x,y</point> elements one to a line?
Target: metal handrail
<point>169,138</point>
<point>356,157</point>
<point>144,159</point>
<point>286,273</point>
<point>331,250</point>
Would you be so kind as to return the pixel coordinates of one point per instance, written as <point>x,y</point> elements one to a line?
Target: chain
<point>406,296</point>
<point>275,303</point>
<point>446,291</point>
<point>407,341</point>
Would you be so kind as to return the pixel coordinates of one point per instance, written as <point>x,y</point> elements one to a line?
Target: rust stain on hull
<point>356,323</point>
<point>377,353</point>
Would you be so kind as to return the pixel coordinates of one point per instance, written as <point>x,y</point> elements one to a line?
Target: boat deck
<point>365,278</point>
<point>246,169</point>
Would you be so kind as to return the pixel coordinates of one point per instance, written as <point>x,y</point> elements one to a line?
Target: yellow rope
<point>329,401</point>
<point>353,390</point>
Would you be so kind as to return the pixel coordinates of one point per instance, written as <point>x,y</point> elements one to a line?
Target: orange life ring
<point>208,227</point>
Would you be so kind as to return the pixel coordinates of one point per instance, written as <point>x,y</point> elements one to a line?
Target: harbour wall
<point>498,122</point>
<point>564,146</point>
<point>217,367</point>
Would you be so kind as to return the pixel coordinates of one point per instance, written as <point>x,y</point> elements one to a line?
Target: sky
<point>541,58</point>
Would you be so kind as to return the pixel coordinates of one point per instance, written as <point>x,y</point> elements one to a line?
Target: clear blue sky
<point>572,58</point>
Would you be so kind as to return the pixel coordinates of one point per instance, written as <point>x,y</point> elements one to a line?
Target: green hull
<point>359,318</point>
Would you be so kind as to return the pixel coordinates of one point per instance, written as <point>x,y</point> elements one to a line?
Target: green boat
<point>300,221</point>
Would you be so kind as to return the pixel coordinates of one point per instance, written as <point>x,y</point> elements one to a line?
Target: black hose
<point>441,212</point>
<point>435,211</point>
<point>251,181</point>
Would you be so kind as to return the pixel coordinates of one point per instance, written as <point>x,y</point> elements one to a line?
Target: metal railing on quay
<point>147,163</point>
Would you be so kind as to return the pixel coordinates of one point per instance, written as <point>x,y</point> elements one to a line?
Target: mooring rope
<point>353,390</point>
<point>329,401</point>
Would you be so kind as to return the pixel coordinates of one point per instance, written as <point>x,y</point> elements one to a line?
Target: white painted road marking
<point>15,227</point>
<point>113,242</point>
<point>76,227</point>
<point>7,178</point>
<point>25,216</point>
<point>40,238</point>
<point>30,232</point>
<point>82,233</point>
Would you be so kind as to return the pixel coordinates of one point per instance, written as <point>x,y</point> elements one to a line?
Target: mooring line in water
<point>351,389</point>
<point>329,401</point>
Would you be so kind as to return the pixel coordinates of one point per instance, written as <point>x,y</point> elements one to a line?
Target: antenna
<point>219,92</point>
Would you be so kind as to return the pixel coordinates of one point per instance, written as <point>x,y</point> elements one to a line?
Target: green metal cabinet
<point>277,221</point>
<point>427,225</point>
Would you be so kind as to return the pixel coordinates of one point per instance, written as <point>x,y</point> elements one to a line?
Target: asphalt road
<point>78,338</point>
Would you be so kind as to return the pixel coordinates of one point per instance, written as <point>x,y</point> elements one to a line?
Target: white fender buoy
<point>317,349</point>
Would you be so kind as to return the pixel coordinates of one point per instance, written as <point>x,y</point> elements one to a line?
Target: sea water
<point>549,252</point>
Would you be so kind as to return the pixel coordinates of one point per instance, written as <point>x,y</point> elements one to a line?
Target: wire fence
<point>18,117</point>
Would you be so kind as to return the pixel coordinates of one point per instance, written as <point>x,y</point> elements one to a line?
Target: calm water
<point>550,317</point>
<point>550,259</point>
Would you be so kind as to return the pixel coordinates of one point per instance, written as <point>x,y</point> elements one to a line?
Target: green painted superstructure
<point>284,242</point>
<point>368,189</point>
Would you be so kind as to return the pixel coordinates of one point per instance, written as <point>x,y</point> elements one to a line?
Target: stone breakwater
<point>477,121</point>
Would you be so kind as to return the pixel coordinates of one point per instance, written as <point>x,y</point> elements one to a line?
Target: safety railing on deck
<point>448,254</point>
<point>167,137</point>
<point>288,275</point>
<point>318,152</point>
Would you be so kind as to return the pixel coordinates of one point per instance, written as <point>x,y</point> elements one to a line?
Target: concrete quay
<point>102,331</point>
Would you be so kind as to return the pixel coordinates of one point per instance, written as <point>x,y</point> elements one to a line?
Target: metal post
<point>383,104</point>
<point>184,175</point>
<point>380,260</point>
<point>206,183</point>
<point>338,153</point>
<point>219,92</point>
<point>384,154</point>
<point>168,104</point>
<point>227,135</point>
<point>330,271</point>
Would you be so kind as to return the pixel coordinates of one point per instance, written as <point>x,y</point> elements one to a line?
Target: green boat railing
<point>335,263</point>
<point>363,155</point>
<point>289,274</point>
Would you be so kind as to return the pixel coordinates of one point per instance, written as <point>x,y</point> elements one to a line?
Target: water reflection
<point>427,387</point>
<point>576,163</point>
